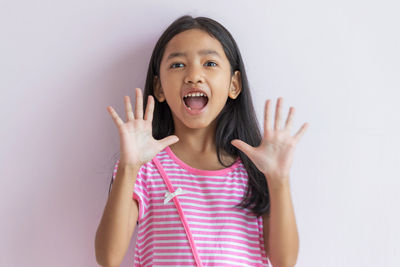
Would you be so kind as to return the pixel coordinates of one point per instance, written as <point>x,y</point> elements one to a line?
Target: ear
<point>158,92</point>
<point>236,85</point>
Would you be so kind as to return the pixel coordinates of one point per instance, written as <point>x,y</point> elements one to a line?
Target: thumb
<point>169,140</point>
<point>244,147</point>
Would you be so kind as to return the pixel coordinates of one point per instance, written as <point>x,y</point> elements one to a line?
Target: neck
<point>200,140</point>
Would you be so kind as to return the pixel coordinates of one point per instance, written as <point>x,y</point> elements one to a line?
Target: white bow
<point>169,195</point>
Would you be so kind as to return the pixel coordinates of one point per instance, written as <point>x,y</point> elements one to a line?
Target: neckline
<point>200,171</point>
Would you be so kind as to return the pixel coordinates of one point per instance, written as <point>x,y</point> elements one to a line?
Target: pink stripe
<point>227,214</point>
<point>212,209</point>
<point>162,263</point>
<point>227,193</point>
<point>151,257</point>
<point>219,246</point>
<point>237,229</point>
<point>216,182</point>
<point>233,253</point>
<point>174,174</point>
<point>141,211</point>
<point>226,239</point>
<point>219,238</point>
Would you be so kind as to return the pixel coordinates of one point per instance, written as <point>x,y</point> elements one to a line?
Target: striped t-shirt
<point>223,234</point>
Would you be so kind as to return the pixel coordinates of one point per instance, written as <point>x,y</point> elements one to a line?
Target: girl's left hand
<point>273,157</point>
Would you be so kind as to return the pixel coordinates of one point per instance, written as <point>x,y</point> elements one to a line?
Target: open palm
<point>274,156</point>
<point>137,144</point>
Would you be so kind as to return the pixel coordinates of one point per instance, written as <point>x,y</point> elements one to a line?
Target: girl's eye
<point>174,65</point>
<point>212,62</point>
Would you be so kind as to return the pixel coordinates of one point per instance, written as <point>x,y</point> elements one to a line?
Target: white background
<point>63,62</point>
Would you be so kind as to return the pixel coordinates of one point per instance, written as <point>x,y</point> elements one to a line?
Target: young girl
<point>202,183</point>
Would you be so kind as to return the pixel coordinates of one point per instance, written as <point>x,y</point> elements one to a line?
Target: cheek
<point>172,83</point>
<point>222,87</point>
<point>220,97</point>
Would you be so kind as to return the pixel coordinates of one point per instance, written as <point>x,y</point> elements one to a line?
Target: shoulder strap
<point>180,211</point>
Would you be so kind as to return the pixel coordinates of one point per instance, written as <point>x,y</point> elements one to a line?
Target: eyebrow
<point>201,52</point>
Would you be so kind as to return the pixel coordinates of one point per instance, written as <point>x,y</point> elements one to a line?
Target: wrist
<point>129,165</point>
<point>278,183</point>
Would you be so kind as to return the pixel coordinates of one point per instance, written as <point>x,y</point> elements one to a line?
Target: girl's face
<point>194,60</point>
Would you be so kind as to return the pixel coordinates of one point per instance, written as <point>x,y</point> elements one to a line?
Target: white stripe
<point>174,167</point>
<point>214,249</point>
<point>246,226</point>
<point>223,242</point>
<point>178,172</point>
<point>240,195</point>
<point>211,213</point>
<point>143,229</point>
<point>157,178</point>
<point>229,230</point>
<point>220,179</point>
<point>205,205</point>
<point>210,186</point>
<point>222,261</point>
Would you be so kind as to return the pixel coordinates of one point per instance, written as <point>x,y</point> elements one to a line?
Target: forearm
<point>112,237</point>
<point>283,240</point>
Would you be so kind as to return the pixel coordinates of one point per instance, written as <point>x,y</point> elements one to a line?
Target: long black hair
<point>237,119</point>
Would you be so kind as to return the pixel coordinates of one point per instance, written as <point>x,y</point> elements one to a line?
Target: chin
<point>197,125</point>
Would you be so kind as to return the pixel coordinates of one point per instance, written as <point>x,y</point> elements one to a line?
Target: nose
<point>194,74</point>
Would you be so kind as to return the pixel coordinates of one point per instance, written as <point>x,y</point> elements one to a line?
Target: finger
<point>115,116</point>
<point>289,120</point>
<point>139,104</point>
<point>128,108</point>
<point>300,132</point>
<point>169,140</point>
<point>247,149</point>
<point>149,108</point>
<point>279,103</point>
<point>267,120</point>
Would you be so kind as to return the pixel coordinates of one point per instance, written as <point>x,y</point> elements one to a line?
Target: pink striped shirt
<point>223,234</point>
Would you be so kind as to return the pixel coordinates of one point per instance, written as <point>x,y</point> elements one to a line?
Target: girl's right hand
<point>137,144</point>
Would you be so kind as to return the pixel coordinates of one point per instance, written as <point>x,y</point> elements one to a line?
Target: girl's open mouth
<point>195,104</point>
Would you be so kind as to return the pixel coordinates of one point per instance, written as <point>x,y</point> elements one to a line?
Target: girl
<point>204,186</point>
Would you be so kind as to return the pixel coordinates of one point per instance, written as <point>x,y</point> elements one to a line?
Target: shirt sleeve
<point>140,192</point>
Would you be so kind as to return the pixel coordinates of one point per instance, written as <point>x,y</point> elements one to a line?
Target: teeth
<point>194,94</point>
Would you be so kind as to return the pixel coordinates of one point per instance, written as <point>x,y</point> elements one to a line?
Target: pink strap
<point>180,211</point>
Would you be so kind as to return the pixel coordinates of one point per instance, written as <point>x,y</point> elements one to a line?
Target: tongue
<point>197,102</point>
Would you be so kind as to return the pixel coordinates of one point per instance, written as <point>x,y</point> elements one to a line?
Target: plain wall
<point>63,62</point>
